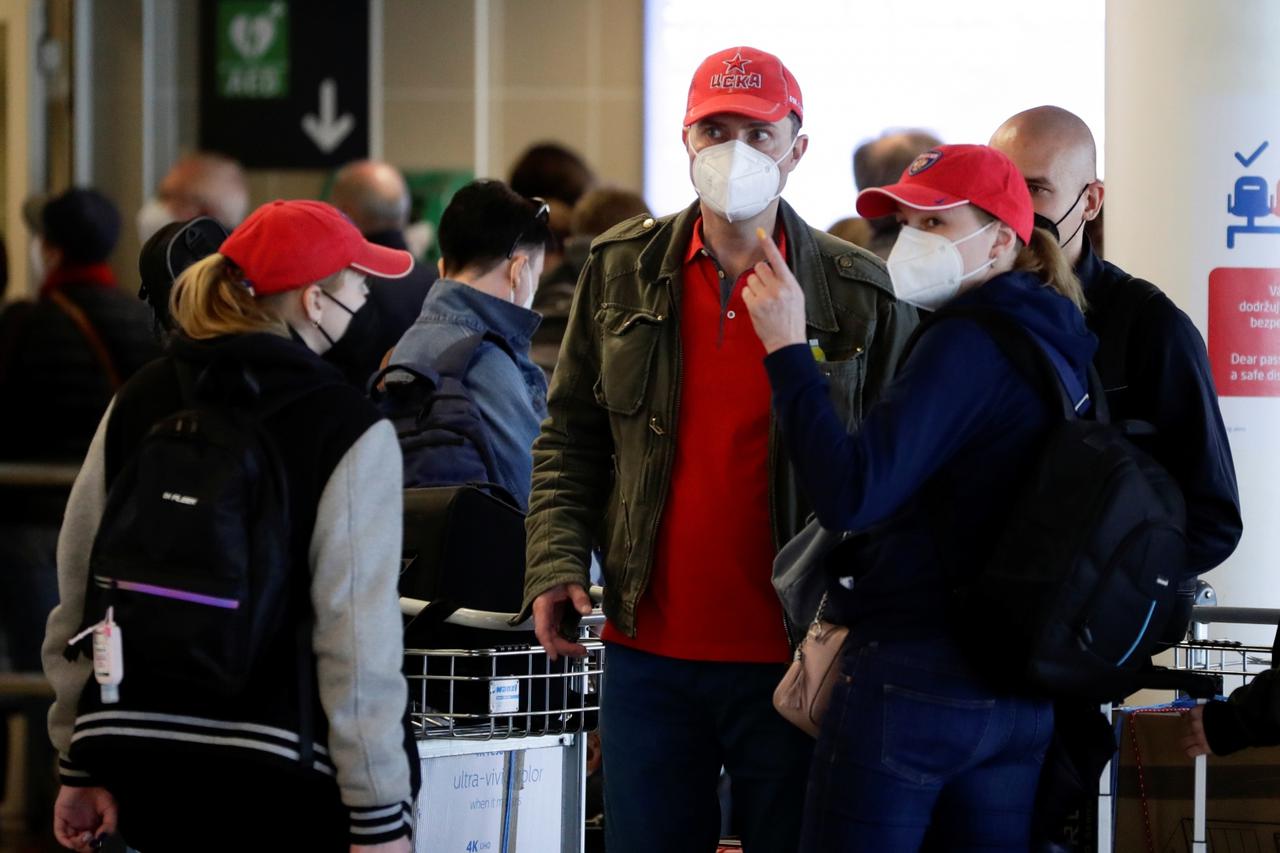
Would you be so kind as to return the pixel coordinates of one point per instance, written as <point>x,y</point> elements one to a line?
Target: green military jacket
<point>602,463</point>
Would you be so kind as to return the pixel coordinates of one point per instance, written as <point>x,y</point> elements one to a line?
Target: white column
<point>1193,149</point>
<point>483,94</point>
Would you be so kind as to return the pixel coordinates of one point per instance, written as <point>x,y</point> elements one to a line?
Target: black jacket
<point>1154,368</point>
<point>1250,717</point>
<point>347,699</point>
<point>54,389</point>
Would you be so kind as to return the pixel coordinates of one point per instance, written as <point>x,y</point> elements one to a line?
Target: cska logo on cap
<point>924,161</point>
<point>736,76</point>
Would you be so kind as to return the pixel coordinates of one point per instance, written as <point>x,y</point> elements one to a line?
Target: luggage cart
<point>1224,665</point>
<point>501,736</point>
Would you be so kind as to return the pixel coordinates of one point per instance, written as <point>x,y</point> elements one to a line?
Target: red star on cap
<point>736,62</point>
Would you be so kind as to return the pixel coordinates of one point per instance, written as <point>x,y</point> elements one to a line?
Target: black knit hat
<point>83,223</point>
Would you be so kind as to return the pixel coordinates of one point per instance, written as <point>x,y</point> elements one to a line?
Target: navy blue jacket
<point>958,422</point>
<point>1154,368</point>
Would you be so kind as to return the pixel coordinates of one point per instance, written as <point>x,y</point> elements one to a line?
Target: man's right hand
<point>548,612</point>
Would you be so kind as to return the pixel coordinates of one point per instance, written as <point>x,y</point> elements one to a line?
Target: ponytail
<point>210,299</point>
<point>1044,258</point>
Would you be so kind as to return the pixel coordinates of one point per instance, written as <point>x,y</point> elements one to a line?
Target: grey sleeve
<point>358,638</point>
<point>84,511</point>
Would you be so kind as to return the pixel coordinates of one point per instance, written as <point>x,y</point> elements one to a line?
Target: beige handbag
<point>804,693</point>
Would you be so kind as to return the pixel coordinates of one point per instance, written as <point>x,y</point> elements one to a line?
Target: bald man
<point>202,183</point>
<point>1151,357</point>
<point>376,198</point>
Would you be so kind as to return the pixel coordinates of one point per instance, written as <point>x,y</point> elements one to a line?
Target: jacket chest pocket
<point>628,339</point>
<point>844,380</point>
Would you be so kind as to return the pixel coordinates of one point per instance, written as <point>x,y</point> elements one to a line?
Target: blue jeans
<point>666,728</point>
<point>914,745</point>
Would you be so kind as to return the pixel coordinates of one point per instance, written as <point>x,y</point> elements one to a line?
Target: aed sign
<point>284,84</point>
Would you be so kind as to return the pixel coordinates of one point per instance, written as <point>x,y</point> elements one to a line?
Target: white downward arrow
<point>328,130</point>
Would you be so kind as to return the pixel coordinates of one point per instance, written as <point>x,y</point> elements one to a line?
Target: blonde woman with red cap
<point>915,745</point>
<point>308,750</point>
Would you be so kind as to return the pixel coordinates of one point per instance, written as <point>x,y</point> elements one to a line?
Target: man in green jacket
<point>660,453</point>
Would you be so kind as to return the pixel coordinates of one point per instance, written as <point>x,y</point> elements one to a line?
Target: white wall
<point>959,69</point>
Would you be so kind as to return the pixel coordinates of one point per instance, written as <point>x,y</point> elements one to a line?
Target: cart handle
<point>489,620</point>
<point>1235,615</point>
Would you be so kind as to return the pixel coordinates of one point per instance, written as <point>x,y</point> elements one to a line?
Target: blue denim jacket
<point>511,395</point>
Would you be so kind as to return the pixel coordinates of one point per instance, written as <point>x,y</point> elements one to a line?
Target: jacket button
<point>845,263</point>
<point>648,223</point>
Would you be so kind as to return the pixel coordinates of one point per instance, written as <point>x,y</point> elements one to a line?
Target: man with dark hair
<point>492,244</point>
<point>375,197</point>
<point>878,163</point>
<point>558,175</point>
<point>552,171</point>
<point>660,451</point>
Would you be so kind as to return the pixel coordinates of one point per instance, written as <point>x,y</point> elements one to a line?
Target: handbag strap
<point>91,337</point>
<point>822,607</point>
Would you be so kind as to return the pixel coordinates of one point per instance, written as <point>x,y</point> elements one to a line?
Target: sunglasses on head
<point>541,216</point>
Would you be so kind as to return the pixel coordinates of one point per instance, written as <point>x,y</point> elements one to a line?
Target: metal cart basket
<point>501,735</point>
<point>1229,665</point>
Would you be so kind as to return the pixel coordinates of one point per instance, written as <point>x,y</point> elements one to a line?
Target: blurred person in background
<point>594,214</point>
<point>202,183</point>
<point>560,176</point>
<point>62,357</point>
<point>375,197</point>
<point>878,163</point>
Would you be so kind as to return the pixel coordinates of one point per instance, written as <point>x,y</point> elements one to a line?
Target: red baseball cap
<point>743,81</point>
<point>954,175</point>
<point>289,244</point>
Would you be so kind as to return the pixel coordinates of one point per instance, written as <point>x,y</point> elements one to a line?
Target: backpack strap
<point>91,337</point>
<point>456,360</point>
<point>1028,356</point>
<point>453,362</point>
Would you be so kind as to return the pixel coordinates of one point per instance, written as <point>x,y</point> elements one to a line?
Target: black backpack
<point>441,433</point>
<point>1082,578</point>
<point>463,533</point>
<point>193,550</point>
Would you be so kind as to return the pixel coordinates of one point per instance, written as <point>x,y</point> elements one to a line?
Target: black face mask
<point>1040,220</point>
<point>358,352</point>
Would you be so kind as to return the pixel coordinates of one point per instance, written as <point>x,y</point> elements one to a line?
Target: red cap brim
<point>875,202</point>
<point>739,104</point>
<point>383,262</point>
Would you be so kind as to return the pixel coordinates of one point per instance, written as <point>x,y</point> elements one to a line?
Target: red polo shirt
<point>710,594</point>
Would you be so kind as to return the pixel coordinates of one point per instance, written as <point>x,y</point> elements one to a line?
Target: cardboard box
<point>1156,784</point>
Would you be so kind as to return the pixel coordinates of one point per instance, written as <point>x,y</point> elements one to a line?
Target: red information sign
<point>1244,331</point>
